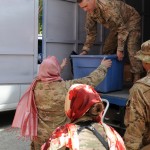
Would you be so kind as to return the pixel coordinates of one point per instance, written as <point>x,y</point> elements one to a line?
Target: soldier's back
<point>88,141</point>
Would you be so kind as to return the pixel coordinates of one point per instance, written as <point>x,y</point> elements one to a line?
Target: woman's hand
<point>106,62</point>
<point>64,63</point>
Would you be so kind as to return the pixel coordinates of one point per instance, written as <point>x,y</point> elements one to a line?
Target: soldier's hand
<point>106,62</point>
<point>120,55</point>
<point>84,53</point>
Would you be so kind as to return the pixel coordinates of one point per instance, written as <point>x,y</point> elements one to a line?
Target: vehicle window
<point>40,49</point>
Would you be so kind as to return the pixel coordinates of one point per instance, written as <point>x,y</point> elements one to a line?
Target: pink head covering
<point>49,69</point>
<point>26,113</point>
<point>79,100</point>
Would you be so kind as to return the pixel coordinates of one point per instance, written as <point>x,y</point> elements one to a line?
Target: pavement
<point>9,140</point>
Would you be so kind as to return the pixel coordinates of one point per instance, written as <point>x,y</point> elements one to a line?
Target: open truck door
<point>64,32</point>
<point>18,49</point>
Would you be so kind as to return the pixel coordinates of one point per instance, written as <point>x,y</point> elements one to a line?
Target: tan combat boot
<point>136,77</point>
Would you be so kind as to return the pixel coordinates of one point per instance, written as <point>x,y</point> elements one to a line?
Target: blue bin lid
<point>95,56</point>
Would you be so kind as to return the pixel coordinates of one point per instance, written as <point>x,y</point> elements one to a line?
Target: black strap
<point>71,62</point>
<point>96,133</point>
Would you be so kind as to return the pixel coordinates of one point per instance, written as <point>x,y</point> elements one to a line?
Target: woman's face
<point>88,5</point>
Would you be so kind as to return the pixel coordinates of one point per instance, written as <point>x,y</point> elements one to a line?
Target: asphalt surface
<point>9,140</point>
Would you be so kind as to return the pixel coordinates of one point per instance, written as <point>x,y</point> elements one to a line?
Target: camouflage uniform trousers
<point>133,45</point>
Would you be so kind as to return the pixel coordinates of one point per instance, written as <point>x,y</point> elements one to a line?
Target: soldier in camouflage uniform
<point>137,116</point>
<point>122,20</point>
<point>84,107</point>
<point>41,109</point>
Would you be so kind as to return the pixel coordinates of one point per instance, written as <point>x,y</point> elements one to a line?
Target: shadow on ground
<point>9,139</point>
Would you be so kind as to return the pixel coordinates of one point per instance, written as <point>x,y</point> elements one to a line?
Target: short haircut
<point>79,1</point>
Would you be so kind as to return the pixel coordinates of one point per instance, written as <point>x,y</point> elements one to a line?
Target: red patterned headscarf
<point>79,100</point>
<point>26,113</point>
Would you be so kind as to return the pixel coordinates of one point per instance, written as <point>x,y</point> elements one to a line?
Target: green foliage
<point>40,16</point>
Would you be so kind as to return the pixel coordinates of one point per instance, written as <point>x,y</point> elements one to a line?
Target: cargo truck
<point>63,32</point>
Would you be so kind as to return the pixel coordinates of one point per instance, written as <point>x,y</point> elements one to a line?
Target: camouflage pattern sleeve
<point>91,31</point>
<point>134,119</point>
<point>93,79</point>
<point>116,22</point>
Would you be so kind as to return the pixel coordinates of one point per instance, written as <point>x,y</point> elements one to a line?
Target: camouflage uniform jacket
<point>50,98</point>
<point>137,117</point>
<point>114,15</point>
<point>87,140</point>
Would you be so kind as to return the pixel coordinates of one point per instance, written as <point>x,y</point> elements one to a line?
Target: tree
<point>40,16</point>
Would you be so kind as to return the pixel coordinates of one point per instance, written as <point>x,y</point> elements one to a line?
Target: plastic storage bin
<point>83,65</point>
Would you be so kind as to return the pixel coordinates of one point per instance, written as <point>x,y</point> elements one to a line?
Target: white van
<point>18,49</point>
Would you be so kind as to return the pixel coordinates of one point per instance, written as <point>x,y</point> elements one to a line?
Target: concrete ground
<point>9,140</point>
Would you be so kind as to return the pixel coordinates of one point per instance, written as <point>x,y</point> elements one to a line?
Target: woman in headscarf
<point>41,108</point>
<point>84,108</point>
